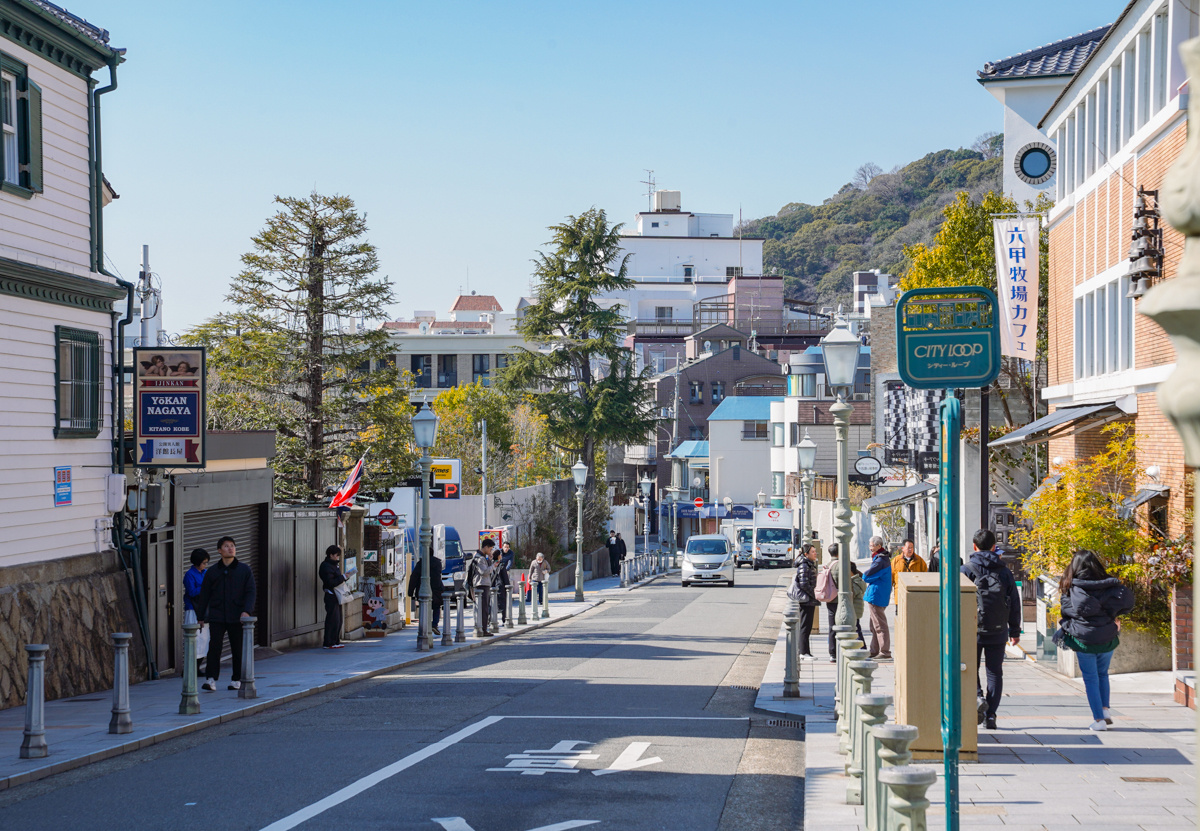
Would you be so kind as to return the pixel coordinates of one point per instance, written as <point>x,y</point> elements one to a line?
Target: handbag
<point>343,592</point>
<point>202,640</point>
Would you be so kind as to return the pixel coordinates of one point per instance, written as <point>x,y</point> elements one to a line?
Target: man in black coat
<point>435,587</point>
<point>614,553</point>
<point>331,576</point>
<point>621,549</point>
<point>226,596</point>
<point>999,614</point>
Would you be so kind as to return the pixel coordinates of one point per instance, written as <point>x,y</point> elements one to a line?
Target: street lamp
<point>761,500</point>
<point>840,350</point>
<point>580,471</point>
<point>806,458</point>
<point>647,484</point>
<point>425,424</point>
<point>674,494</point>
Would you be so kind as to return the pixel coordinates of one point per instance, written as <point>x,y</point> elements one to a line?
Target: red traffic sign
<point>387,517</point>
<point>698,502</point>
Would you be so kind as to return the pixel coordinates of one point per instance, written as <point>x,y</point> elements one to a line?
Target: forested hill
<point>868,223</point>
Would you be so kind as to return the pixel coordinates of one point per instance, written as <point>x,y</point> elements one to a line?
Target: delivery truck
<point>772,537</point>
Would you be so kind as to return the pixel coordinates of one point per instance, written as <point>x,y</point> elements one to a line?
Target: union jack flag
<point>344,498</point>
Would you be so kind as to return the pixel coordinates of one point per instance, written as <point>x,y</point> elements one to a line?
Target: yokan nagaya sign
<point>168,407</point>
<point>948,337</point>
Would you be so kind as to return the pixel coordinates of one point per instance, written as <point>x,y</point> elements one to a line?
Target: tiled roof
<point>744,408</point>
<point>1061,58</point>
<point>100,36</point>
<point>476,303</point>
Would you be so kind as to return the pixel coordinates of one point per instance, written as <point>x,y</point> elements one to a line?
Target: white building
<point>739,448</point>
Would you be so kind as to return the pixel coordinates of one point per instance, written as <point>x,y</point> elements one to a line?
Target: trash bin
<point>918,663</point>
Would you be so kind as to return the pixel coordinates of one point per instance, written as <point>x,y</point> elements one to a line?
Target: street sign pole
<point>951,636</point>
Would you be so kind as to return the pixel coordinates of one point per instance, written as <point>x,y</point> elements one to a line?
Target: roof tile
<point>1061,58</point>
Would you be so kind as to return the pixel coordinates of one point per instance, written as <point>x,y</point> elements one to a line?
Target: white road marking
<point>629,759</point>
<point>354,788</point>
<point>460,824</point>
<point>642,718</point>
<point>562,758</point>
<point>453,823</point>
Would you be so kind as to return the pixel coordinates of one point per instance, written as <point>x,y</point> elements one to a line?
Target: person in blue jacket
<point>192,579</point>
<point>879,592</point>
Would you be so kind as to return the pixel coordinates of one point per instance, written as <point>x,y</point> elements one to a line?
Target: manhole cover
<point>1147,779</point>
<point>781,722</point>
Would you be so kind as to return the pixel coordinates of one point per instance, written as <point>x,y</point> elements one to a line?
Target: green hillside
<point>868,223</point>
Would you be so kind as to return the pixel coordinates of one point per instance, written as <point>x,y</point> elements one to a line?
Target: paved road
<point>637,715</point>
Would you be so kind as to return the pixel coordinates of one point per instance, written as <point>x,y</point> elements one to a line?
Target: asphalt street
<point>637,715</point>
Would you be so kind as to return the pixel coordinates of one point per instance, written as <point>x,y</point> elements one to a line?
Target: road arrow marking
<point>628,760</point>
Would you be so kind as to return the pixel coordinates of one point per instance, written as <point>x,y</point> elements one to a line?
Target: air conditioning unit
<point>861,396</point>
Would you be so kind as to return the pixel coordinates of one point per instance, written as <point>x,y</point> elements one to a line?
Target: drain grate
<point>743,687</point>
<point>782,722</point>
<point>1147,779</point>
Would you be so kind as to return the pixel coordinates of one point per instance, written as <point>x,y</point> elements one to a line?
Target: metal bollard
<point>508,607</point>
<point>460,632</point>
<point>447,638</point>
<point>893,741</point>
<point>189,702</point>
<point>33,746</point>
<point>545,584</point>
<point>791,674</point>
<point>871,708</point>
<point>121,722</point>
<point>848,656</point>
<point>521,619</point>
<point>535,602</point>
<point>907,803</point>
<point>247,689</point>
<point>493,611</point>
<point>860,684</point>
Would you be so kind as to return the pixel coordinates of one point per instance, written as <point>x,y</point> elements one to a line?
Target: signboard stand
<point>169,407</point>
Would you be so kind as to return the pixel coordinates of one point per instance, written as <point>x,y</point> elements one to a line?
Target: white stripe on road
<point>643,718</point>
<point>565,826</point>
<point>369,781</point>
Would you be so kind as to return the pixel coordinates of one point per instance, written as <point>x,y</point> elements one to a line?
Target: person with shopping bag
<point>539,573</point>
<point>192,580</point>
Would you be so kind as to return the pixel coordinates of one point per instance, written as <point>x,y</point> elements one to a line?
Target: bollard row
<point>791,673</point>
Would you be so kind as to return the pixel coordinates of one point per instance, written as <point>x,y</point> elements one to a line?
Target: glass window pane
<point>1101,333</point>
<point>1079,338</point>
<point>1089,335</point>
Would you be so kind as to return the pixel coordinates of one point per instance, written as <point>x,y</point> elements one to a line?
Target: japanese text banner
<point>1017,252</point>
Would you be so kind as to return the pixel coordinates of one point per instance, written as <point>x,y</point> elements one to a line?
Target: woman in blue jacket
<point>192,579</point>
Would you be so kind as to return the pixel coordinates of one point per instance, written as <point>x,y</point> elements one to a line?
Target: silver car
<point>708,558</point>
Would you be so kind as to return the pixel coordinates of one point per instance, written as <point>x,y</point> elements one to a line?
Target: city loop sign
<point>948,338</point>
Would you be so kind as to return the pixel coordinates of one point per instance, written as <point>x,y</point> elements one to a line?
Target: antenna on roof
<point>649,183</point>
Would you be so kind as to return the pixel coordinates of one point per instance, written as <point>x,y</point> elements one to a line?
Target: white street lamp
<point>806,458</point>
<point>840,351</point>
<point>425,424</point>
<point>647,484</point>
<point>579,471</point>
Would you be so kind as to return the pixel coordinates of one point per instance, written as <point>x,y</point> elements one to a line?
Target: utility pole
<point>483,471</point>
<point>147,335</point>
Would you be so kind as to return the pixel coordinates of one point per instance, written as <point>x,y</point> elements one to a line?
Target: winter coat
<point>435,580</point>
<point>483,569</point>
<point>858,590</point>
<point>192,580</point>
<point>500,578</point>
<point>879,580</point>
<point>806,579</point>
<point>331,575</point>
<point>1090,609</point>
<point>539,572</point>
<point>622,550</point>
<point>227,592</point>
<point>980,562</point>
<point>899,565</point>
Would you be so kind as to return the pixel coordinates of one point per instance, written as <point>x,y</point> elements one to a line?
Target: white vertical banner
<point>1017,255</point>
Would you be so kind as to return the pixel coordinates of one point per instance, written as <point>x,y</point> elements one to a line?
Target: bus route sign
<point>948,338</point>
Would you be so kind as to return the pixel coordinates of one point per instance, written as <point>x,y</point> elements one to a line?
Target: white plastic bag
<point>202,641</point>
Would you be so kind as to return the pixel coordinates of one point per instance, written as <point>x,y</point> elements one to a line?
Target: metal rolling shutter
<point>202,529</point>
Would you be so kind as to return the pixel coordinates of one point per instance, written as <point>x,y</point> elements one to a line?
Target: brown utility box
<point>918,663</point>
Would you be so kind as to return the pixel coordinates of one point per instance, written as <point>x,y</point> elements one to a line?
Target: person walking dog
<point>1091,603</point>
<point>999,615</point>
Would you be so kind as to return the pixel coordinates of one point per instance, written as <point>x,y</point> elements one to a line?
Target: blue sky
<point>464,129</point>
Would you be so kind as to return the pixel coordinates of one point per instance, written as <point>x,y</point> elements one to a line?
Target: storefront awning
<point>1066,421</point>
<point>1125,509</point>
<point>898,497</point>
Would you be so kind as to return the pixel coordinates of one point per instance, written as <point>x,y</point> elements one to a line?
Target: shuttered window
<point>77,372</point>
<point>202,529</point>
<point>20,129</point>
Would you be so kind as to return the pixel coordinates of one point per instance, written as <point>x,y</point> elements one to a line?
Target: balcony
<point>652,327</point>
<point>640,454</point>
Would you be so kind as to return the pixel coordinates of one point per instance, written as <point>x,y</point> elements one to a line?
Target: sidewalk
<point>1042,769</point>
<point>77,728</point>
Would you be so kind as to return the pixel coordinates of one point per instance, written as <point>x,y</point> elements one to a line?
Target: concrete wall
<point>822,523</point>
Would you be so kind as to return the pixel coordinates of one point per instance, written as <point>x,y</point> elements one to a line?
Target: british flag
<point>344,498</point>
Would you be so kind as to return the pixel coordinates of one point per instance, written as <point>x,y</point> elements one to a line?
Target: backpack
<point>991,597</point>
<point>826,589</point>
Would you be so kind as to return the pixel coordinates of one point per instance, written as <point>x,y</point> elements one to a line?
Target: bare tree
<point>990,144</point>
<point>864,175</point>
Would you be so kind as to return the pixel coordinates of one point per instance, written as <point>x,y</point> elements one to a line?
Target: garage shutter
<point>202,529</point>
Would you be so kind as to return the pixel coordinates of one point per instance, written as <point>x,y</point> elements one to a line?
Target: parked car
<point>708,558</point>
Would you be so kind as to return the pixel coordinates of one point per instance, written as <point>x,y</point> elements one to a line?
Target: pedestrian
<point>907,560</point>
<point>435,589</point>
<point>502,583</point>
<point>193,578</point>
<point>934,559</point>
<point>829,575</point>
<point>879,592</point>
<point>804,584</point>
<point>226,597</point>
<point>1091,601</point>
<point>484,569</point>
<point>509,555</point>
<point>999,619</point>
<point>331,576</point>
<point>621,548</point>
<point>614,553</point>
<point>539,573</point>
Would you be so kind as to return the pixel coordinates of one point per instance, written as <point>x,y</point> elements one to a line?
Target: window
<point>695,392</point>
<point>658,362</point>
<point>422,366</point>
<point>1160,62</point>
<point>653,224</point>
<point>447,371</point>
<point>696,433</point>
<point>804,386</point>
<point>1104,330</point>
<point>733,271</point>
<point>502,361</point>
<point>481,369</point>
<point>754,430</point>
<point>777,434</point>
<point>20,129</point>
<point>1129,70</point>
<point>795,437</point>
<point>1115,115</point>
<point>77,368</point>
<point>689,271</point>
<point>664,314</point>
<point>1143,83</point>
<point>718,392</point>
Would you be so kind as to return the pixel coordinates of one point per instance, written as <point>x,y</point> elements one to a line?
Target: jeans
<point>1095,680</point>
<point>808,614</point>
<point>993,660</point>
<point>832,606</point>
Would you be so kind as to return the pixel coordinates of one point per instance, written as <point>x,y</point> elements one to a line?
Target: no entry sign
<point>698,502</point>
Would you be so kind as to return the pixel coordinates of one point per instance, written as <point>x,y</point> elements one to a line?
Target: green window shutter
<point>29,127</point>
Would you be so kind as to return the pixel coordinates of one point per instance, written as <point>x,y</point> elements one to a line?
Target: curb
<point>253,709</point>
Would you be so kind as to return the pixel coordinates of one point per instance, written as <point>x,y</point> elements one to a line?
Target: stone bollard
<point>33,746</point>
<point>791,674</point>
<point>624,569</point>
<point>479,624</point>
<point>848,656</point>
<point>535,602</point>
<point>872,710</point>
<point>460,632</point>
<point>860,684</point>
<point>247,689</point>
<point>893,741</point>
<point>546,599</point>
<point>844,639</point>
<point>189,702</point>
<point>493,608</point>
<point>521,619</point>
<point>837,632</point>
<point>508,607</point>
<point>447,638</point>
<point>121,722</point>
<point>906,801</point>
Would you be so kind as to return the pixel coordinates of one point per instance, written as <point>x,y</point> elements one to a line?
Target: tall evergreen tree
<point>581,376</point>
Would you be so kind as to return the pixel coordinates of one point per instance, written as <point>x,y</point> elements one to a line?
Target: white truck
<point>741,534</point>
<point>772,537</point>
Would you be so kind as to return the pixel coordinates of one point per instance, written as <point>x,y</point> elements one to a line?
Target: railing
<point>653,327</point>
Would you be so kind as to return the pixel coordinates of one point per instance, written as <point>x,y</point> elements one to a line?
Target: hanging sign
<point>168,407</point>
<point>447,479</point>
<point>1017,261</point>
<point>948,338</point>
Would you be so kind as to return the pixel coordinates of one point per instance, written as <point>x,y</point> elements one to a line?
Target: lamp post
<point>674,494</point>
<point>647,484</point>
<point>806,458</point>
<point>580,471</point>
<point>425,424</point>
<point>839,349</point>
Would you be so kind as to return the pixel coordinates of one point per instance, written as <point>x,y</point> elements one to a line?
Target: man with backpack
<point>999,616</point>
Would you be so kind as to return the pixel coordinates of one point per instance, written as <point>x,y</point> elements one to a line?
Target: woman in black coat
<point>804,592</point>
<point>1091,602</point>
